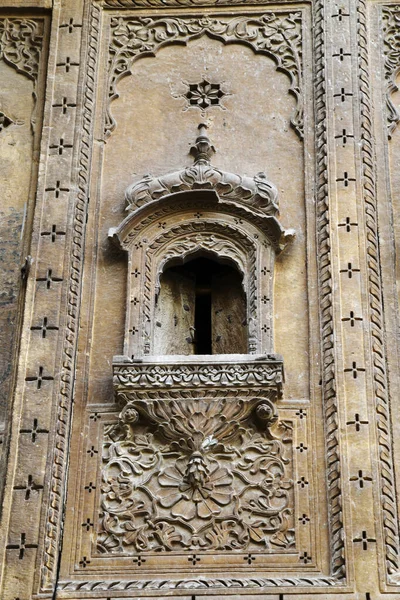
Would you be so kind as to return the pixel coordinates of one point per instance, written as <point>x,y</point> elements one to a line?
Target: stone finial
<point>202,150</point>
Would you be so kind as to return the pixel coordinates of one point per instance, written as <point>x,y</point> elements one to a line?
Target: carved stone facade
<point>199,365</point>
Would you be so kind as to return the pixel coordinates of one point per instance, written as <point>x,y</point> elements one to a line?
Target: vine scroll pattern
<point>277,35</point>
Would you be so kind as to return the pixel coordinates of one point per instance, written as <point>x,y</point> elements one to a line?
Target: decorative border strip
<point>199,584</point>
<point>391,48</point>
<point>178,3</point>
<point>375,296</point>
<point>59,460</point>
<point>330,402</point>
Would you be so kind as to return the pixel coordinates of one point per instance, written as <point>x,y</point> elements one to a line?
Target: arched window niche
<point>201,247</point>
<point>200,307</point>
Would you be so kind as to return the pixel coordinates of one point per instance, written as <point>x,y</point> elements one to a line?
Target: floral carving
<point>133,376</point>
<point>203,95</point>
<point>278,35</point>
<point>256,191</point>
<point>20,45</point>
<point>391,27</point>
<point>198,488</point>
<point>203,476</point>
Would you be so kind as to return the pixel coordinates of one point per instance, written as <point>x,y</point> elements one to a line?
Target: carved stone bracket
<point>218,476</point>
<point>278,35</point>
<point>391,40</point>
<point>21,44</point>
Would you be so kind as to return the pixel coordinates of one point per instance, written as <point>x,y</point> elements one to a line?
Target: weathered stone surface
<point>199,403</point>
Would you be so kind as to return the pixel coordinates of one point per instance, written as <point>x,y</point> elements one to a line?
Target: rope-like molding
<point>174,3</point>
<point>376,318</point>
<point>199,584</point>
<point>60,456</point>
<point>330,403</point>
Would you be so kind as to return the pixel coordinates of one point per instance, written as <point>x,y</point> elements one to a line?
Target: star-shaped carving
<point>204,94</point>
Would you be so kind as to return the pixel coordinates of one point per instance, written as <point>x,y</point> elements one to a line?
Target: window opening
<point>201,310</point>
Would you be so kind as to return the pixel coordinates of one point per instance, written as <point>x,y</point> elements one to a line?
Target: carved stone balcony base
<point>195,438</point>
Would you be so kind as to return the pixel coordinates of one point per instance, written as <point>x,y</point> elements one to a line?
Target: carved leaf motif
<point>276,34</point>
<point>391,27</point>
<point>20,45</point>
<point>216,498</point>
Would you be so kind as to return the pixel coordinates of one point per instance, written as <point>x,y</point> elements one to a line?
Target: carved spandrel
<point>277,35</point>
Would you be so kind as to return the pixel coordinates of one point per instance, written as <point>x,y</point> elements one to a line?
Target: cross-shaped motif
<point>301,447</point>
<point>354,370</point>
<point>341,54</point>
<point>84,562</point>
<point>345,179</point>
<point>364,540</point>
<point>162,224</point>
<point>135,301</point>
<point>340,14</point>
<point>28,487</point>
<point>64,105</point>
<point>360,478</point>
<point>348,224</point>
<point>350,270</point>
<point>22,546</point>
<point>352,319</point>
<point>135,330</point>
<point>35,430</point>
<point>70,25</point>
<point>302,482</point>
<point>265,299</point>
<point>198,215</point>
<point>90,487</point>
<point>44,328</point>
<point>357,422</point>
<point>39,378</point>
<point>92,451</point>
<point>305,558</point>
<point>95,417</point>
<point>67,64</point>
<point>342,95</point>
<point>301,413</point>
<point>88,524</point>
<point>139,560</point>
<point>264,328</point>
<point>344,136</point>
<point>57,189</point>
<point>264,271</point>
<point>49,279</point>
<point>249,558</point>
<point>304,519</point>
<point>53,233</point>
<point>60,147</point>
<point>136,273</point>
<point>194,559</point>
